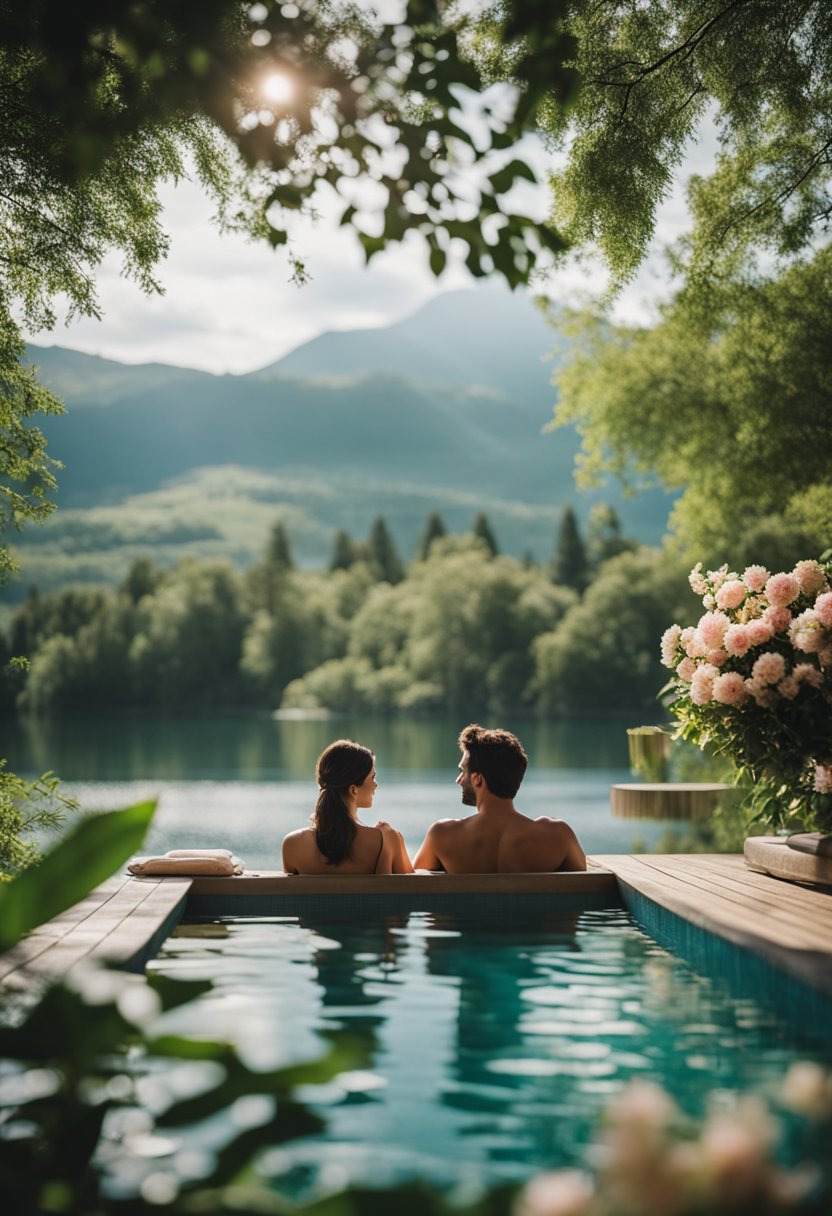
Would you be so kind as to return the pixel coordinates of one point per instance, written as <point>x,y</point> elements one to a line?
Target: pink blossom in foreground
<point>769,668</point>
<point>685,670</point>
<point>711,629</point>
<point>823,778</point>
<point>736,1146</point>
<point>670,640</point>
<point>806,632</point>
<point>778,617</point>
<point>807,673</point>
<point>689,640</point>
<point>737,640</point>
<point>807,1087</point>
<point>557,1193</point>
<point>731,595</point>
<point>702,684</point>
<point>717,657</point>
<point>697,581</point>
<point>729,689</point>
<point>782,590</point>
<point>811,577</point>
<point>755,577</point>
<point>823,609</point>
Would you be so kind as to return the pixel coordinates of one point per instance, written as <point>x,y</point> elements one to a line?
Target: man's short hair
<point>497,755</point>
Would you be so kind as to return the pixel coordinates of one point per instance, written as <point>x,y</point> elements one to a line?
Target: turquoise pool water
<point>491,1047</point>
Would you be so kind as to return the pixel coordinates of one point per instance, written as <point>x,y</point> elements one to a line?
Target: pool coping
<point>123,922</point>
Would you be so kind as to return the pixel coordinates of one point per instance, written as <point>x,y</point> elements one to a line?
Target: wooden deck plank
<point>720,894</point>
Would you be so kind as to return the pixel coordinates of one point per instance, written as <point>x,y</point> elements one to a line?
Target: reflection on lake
<point>244,781</point>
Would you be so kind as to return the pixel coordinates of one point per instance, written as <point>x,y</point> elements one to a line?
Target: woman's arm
<point>394,857</point>
<point>289,853</point>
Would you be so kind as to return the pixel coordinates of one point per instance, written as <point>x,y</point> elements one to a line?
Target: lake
<point>243,781</point>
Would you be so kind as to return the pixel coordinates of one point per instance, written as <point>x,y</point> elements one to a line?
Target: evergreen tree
<point>382,552</point>
<point>278,549</point>
<point>141,579</point>
<point>434,529</point>
<point>343,551</point>
<point>569,564</point>
<point>483,530</point>
<point>604,539</point>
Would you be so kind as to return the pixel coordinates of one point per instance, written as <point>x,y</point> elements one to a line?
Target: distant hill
<point>443,410</point>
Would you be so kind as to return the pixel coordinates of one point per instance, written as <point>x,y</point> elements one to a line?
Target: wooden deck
<point>786,924</point>
<point>121,922</point>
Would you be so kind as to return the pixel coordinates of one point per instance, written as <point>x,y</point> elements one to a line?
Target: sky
<point>229,304</point>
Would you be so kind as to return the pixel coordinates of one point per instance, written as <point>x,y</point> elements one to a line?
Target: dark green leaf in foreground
<point>83,859</point>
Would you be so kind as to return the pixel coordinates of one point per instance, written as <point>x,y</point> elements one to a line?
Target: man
<point>498,839</point>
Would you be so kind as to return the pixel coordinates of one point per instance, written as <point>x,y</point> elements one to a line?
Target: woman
<point>337,843</point>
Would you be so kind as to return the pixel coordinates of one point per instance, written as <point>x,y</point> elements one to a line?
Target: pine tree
<point>434,529</point>
<point>279,549</point>
<point>343,551</point>
<point>483,530</point>
<point>604,539</point>
<point>569,564</point>
<point>382,552</point>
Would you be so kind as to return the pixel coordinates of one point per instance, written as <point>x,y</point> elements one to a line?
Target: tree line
<point>460,625</point>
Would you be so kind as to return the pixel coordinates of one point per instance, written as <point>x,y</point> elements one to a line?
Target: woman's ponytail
<point>341,765</point>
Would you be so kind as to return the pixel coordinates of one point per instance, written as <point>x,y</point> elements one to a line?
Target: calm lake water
<point>242,782</point>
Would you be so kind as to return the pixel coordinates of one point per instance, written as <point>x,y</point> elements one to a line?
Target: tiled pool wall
<point>747,973</point>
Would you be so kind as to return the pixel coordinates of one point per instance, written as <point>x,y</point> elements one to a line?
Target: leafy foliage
<point>27,809</point>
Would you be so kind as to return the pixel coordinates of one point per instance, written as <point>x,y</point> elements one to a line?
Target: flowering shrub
<point>651,1161</point>
<point>753,680</point>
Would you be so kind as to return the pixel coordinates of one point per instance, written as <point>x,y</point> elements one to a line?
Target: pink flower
<point>823,609</point>
<point>737,639</point>
<point>770,668</point>
<point>759,632</point>
<point>755,577</point>
<point>698,584</point>
<point>807,673</point>
<point>789,688</point>
<point>711,629</point>
<point>670,640</point>
<point>763,694</point>
<point>731,595</point>
<point>778,617</point>
<point>717,657</point>
<point>823,778</point>
<point>782,589</point>
<point>811,577</point>
<point>685,670</point>
<point>729,689</point>
<point>557,1193</point>
<point>720,576</point>
<point>689,640</point>
<point>702,684</point>
<point>806,632</point>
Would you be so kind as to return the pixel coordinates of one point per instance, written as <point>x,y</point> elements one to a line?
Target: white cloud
<point>229,304</point>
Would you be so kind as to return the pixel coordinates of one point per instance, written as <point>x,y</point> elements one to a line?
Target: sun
<point>277,87</point>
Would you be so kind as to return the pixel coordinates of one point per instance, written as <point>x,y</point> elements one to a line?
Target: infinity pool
<point>491,1047</point>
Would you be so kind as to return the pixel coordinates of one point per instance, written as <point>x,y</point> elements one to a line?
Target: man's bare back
<point>501,843</point>
<point>498,839</point>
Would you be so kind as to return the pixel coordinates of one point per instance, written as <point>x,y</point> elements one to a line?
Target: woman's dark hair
<point>339,766</point>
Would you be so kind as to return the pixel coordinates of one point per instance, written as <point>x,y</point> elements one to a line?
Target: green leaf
<point>505,178</point>
<point>84,858</point>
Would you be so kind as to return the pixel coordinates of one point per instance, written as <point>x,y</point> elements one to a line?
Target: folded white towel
<point>198,853</point>
<point>187,864</point>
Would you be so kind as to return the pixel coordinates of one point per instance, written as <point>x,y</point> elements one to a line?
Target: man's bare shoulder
<point>443,827</point>
<point>548,821</point>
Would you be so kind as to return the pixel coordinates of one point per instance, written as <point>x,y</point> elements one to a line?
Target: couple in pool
<point>495,840</point>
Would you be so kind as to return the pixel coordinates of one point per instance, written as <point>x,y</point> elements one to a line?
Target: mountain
<point>444,410</point>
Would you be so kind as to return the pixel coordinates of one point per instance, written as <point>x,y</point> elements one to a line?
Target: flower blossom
<point>717,657</point>
<point>686,669</point>
<point>770,668</point>
<point>778,617</point>
<point>731,594</point>
<point>806,632</point>
<point>789,688</point>
<point>807,1086</point>
<point>556,1193</point>
<point>670,640</point>
<point>763,694</point>
<point>702,684</point>
<point>807,673</point>
<point>729,689</point>
<point>823,778</point>
<point>689,641</point>
<point>737,639</point>
<point>823,609</point>
<point>782,590</point>
<point>698,583</point>
<point>755,577</point>
<point>811,577</point>
<point>759,632</point>
<point>711,629</point>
